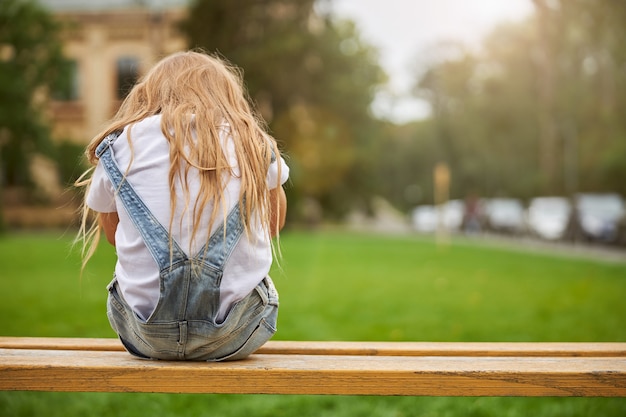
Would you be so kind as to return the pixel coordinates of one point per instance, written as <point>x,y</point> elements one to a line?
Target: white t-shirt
<point>136,270</point>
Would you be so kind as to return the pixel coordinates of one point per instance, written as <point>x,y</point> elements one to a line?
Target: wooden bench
<point>343,368</point>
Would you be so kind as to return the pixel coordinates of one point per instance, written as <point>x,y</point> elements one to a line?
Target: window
<point>127,75</point>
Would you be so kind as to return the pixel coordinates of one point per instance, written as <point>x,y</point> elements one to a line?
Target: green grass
<point>339,286</point>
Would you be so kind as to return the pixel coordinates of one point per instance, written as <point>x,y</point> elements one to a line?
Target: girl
<point>188,188</point>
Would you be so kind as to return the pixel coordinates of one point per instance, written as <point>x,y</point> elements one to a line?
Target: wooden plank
<point>59,370</point>
<point>61,343</point>
<point>359,348</point>
<point>473,349</point>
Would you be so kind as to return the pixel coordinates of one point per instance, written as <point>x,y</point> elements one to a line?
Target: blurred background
<point>499,118</point>
<point>484,122</point>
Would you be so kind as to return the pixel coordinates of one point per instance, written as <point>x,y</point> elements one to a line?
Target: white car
<point>598,215</point>
<point>453,213</point>
<point>504,215</point>
<point>548,216</point>
<point>425,219</point>
<point>448,216</point>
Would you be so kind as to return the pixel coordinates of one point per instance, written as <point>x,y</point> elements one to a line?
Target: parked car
<point>424,219</point>
<point>598,216</point>
<point>427,218</point>
<point>621,232</point>
<point>504,215</point>
<point>548,217</point>
<point>453,213</point>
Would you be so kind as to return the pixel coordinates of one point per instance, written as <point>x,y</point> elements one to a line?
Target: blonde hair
<point>196,94</point>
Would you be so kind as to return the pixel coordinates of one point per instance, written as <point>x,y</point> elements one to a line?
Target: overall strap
<point>216,251</point>
<point>154,235</point>
<point>222,242</point>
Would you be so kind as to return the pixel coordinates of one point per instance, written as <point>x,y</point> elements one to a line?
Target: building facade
<point>109,44</point>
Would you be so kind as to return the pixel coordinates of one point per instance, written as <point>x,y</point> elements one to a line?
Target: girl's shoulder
<point>141,140</point>
<point>149,123</point>
<point>143,130</point>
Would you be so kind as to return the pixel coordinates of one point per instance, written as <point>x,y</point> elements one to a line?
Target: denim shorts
<point>249,324</point>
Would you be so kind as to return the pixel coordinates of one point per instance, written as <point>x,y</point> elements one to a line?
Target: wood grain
<point>276,373</point>
<point>496,349</point>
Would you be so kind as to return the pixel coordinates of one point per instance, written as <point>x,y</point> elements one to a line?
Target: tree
<point>311,77</point>
<point>539,108</point>
<point>30,64</point>
<point>578,62</point>
<point>595,100</point>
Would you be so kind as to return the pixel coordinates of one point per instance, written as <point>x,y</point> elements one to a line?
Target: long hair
<point>196,95</point>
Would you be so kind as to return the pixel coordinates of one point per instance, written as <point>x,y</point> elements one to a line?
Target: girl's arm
<point>108,223</point>
<point>278,205</point>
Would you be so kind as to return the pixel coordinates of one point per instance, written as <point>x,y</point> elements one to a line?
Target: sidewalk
<point>581,250</point>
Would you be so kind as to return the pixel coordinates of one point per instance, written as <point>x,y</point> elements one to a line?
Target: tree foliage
<point>30,63</point>
<point>312,78</point>
<point>539,109</point>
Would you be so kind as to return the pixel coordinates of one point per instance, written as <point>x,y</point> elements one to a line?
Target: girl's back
<point>190,162</point>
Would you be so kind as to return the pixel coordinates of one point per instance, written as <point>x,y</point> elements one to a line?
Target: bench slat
<point>360,348</point>
<point>109,371</point>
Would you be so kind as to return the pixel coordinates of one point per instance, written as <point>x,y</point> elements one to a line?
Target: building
<point>109,43</point>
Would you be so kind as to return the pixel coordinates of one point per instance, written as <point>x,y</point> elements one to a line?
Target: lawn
<point>339,286</point>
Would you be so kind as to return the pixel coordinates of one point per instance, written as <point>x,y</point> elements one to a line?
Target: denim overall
<point>183,326</point>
